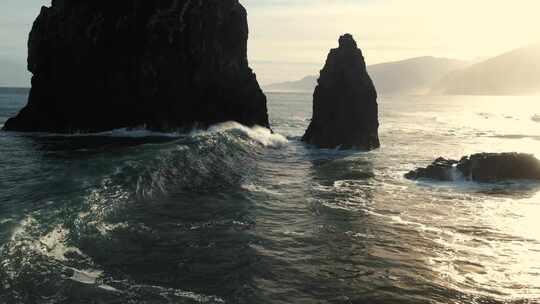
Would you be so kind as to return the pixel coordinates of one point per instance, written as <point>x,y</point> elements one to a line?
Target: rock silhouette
<point>170,64</point>
<point>345,110</point>
<point>484,167</point>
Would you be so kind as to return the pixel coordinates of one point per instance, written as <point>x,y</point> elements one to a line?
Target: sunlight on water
<point>487,243</point>
<point>495,118</point>
<point>243,215</point>
<point>497,253</point>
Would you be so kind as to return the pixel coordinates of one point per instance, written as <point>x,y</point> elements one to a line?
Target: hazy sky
<point>290,38</point>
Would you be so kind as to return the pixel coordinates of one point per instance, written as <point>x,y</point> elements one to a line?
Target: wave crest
<point>259,134</point>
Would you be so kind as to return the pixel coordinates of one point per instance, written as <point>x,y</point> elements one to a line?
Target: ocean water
<point>240,215</point>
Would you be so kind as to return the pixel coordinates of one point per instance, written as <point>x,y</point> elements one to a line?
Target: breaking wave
<point>137,211</point>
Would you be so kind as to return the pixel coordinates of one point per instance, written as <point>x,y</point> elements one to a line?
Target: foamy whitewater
<point>243,215</point>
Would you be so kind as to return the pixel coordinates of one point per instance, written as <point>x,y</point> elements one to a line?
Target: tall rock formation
<point>345,110</point>
<point>99,65</point>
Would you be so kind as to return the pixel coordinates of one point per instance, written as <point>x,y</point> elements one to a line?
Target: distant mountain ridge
<point>306,84</point>
<point>412,76</point>
<point>514,73</point>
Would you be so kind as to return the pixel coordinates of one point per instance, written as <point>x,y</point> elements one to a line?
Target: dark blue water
<point>239,215</point>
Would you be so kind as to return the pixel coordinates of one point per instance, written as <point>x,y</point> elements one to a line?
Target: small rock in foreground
<point>483,167</point>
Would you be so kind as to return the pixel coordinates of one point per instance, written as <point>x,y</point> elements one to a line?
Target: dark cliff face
<point>345,110</point>
<point>99,65</point>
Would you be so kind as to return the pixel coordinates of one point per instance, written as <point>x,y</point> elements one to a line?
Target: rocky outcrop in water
<point>345,110</point>
<point>100,65</point>
<point>484,167</point>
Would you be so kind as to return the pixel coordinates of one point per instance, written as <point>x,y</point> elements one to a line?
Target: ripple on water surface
<point>243,215</point>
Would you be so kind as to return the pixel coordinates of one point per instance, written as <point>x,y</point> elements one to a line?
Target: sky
<point>290,39</point>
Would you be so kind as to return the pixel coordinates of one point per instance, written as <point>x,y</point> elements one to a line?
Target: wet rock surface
<point>483,167</point>
<point>345,109</point>
<point>441,169</point>
<point>101,65</point>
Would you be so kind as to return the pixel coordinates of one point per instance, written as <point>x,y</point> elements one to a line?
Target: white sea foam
<point>257,188</point>
<point>358,235</point>
<point>20,229</point>
<point>5,221</point>
<point>456,175</point>
<point>88,276</point>
<point>53,244</point>
<point>262,135</point>
<point>140,132</point>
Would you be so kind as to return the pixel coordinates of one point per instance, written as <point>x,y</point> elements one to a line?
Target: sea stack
<point>169,64</point>
<point>345,110</point>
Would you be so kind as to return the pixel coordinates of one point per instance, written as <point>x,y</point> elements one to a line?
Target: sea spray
<point>104,227</point>
<point>259,134</point>
<point>304,225</point>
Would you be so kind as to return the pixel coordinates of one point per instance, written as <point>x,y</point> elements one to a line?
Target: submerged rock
<point>441,169</point>
<point>101,65</point>
<point>484,167</point>
<point>345,110</point>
